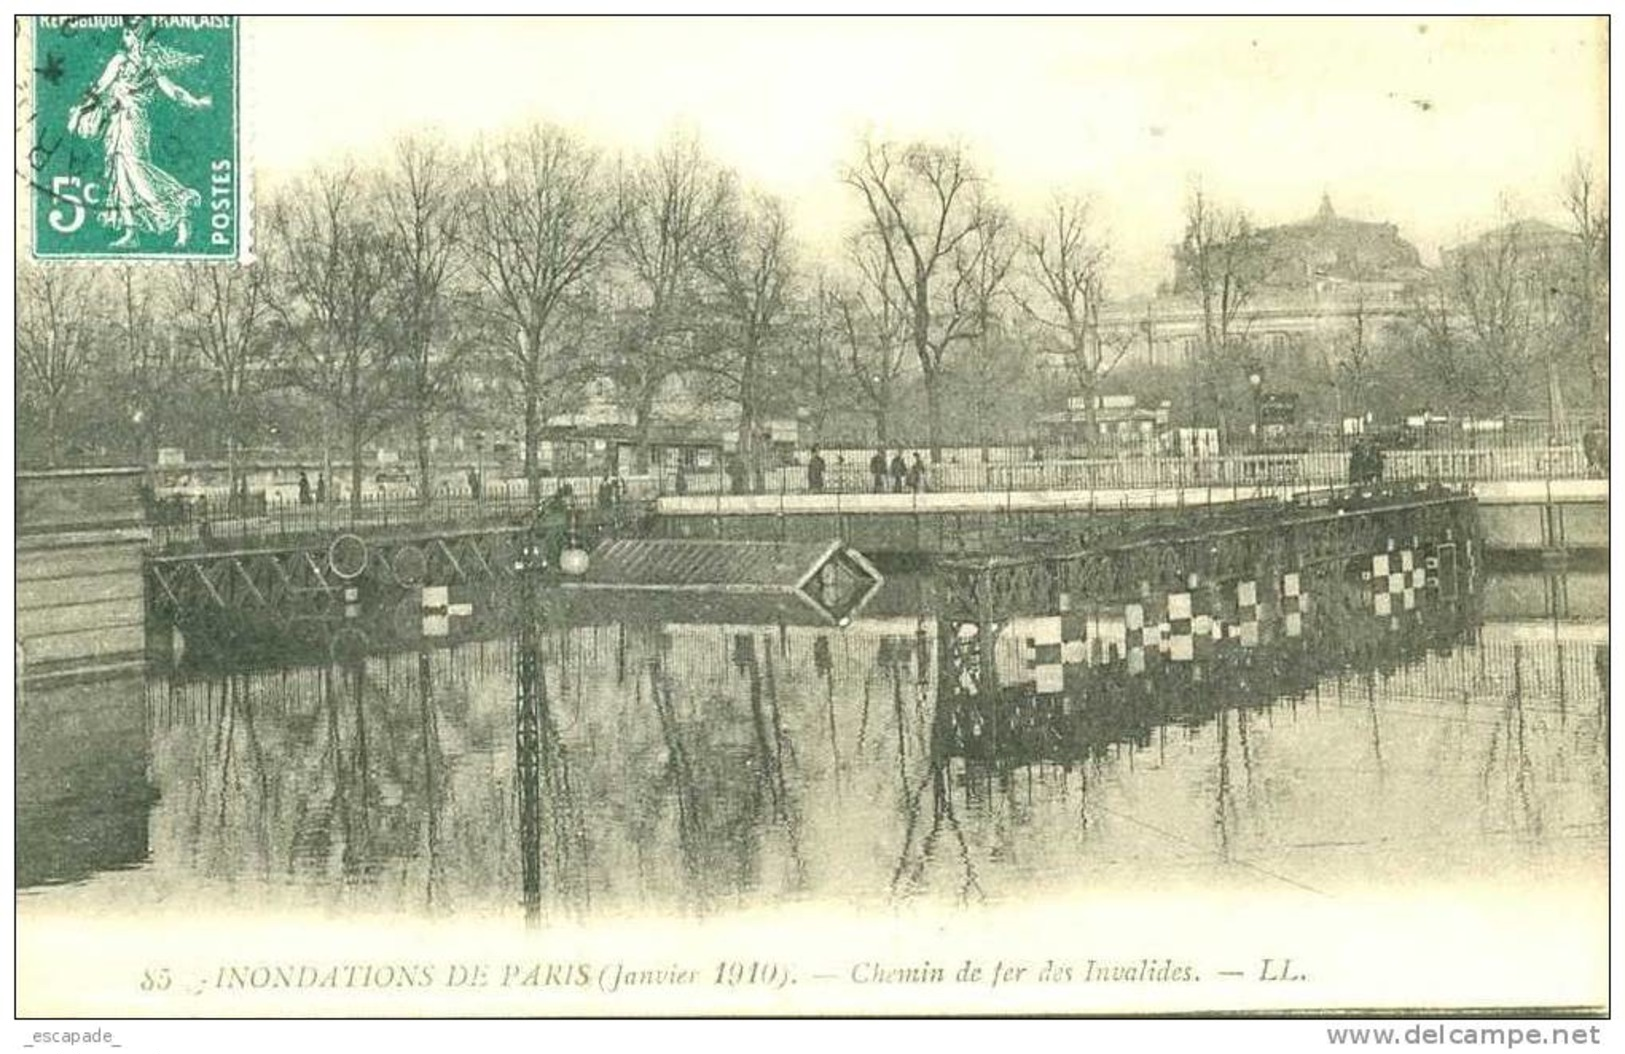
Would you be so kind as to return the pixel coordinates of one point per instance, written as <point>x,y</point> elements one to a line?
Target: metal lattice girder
<point>161,576</point>
<point>1221,549</point>
<point>247,580</point>
<point>453,569</point>
<point>476,558</point>
<point>202,575</point>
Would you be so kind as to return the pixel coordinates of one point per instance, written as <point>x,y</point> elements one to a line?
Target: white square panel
<point>1047,630</point>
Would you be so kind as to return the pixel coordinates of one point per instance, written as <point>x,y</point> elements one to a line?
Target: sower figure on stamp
<point>140,195</point>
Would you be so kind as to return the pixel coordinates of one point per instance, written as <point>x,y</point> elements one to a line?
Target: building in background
<point>1314,283</point>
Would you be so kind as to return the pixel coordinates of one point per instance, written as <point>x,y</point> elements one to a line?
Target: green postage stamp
<point>135,148</point>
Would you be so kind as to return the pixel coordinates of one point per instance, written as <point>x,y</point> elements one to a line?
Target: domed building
<point>1310,286</point>
<point>1329,247</point>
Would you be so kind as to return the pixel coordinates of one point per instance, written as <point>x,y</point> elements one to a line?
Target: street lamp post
<point>1255,381</point>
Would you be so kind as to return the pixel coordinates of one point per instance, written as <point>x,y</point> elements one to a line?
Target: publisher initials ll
<point>1278,970</point>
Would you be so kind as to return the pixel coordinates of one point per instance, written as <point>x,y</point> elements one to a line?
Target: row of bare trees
<point>500,283</point>
<point>523,269</point>
<point>1523,309</point>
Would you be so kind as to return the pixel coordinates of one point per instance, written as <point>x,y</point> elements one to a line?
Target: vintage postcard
<point>628,516</point>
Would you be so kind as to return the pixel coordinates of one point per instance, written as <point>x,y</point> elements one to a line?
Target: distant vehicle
<point>392,481</point>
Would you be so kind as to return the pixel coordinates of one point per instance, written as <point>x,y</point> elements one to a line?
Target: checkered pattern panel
<point>1394,579</point>
<point>1055,643</point>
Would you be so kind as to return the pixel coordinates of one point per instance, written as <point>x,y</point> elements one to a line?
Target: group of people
<point>903,475</point>
<point>894,475</point>
<point>1365,461</point>
<point>611,492</point>
<point>307,494</point>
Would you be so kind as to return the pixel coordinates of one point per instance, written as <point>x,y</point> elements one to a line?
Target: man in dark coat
<point>1595,444</point>
<point>916,475</point>
<point>899,472</point>
<point>877,469</point>
<point>815,472</point>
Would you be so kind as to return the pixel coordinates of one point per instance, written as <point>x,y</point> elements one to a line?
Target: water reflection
<point>1290,735</point>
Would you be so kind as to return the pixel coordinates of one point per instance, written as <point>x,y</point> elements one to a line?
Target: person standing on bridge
<point>899,472</point>
<point>916,475</point>
<point>1595,445</point>
<point>877,470</point>
<point>304,488</point>
<point>815,472</point>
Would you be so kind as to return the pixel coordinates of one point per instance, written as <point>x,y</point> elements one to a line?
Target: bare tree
<point>986,277</point>
<point>542,218</point>
<point>1438,348</point>
<point>872,320</point>
<point>673,201</point>
<point>928,215</point>
<point>1220,258</point>
<point>156,361</point>
<point>223,316</point>
<point>1586,203</point>
<point>1354,360</point>
<point>748,263</point>
<point>56,323</point>
<point>1488,290</point>
<point>1476,325</point>
<point>424,214</point>
<point>996,391</point>
<point>818,374</point>
<point>1064,271</point>
<point>332,303</point>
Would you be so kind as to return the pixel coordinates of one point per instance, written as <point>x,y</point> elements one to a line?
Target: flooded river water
<point>697,768</point>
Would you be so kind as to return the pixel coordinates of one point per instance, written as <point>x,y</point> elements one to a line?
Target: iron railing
<point>188,522</point>
<point>185,526</point>
<point>1016,469</point>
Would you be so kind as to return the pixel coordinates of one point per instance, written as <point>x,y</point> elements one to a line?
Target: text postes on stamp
<point>136,148</point>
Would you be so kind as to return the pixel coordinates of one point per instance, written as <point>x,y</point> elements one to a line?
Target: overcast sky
<point>1430,124</point>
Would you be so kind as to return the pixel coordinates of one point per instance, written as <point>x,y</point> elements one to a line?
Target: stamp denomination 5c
<point>136,140</point>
